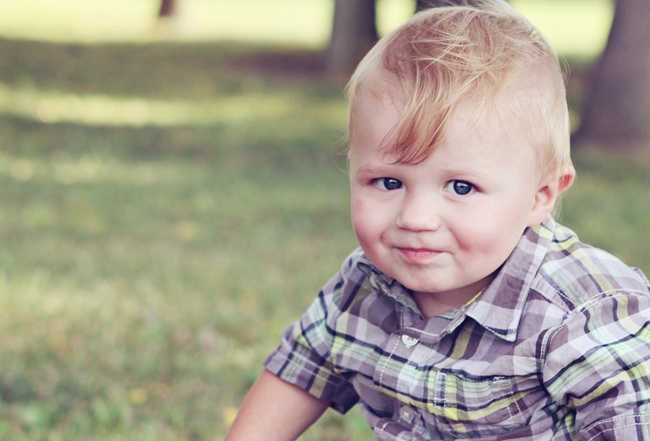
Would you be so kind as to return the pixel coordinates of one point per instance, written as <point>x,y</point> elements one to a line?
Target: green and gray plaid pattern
<point>557,347</point>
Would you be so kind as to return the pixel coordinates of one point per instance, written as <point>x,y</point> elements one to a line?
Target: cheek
<point>364,221</point>
<point>492,239</point>
<point>488,236</point>
<point>359,214</point>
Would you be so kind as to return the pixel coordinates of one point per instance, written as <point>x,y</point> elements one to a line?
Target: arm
<point>275,410</point>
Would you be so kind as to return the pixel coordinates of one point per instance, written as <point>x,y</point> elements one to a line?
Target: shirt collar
<point>386,284</point>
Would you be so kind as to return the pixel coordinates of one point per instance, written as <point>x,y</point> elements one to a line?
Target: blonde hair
<point>471,52</point>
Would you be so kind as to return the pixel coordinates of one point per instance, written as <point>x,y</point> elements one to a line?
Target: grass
<point>146,271</point>
<point>149,263</point>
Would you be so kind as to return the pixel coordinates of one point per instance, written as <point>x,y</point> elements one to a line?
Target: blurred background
<point>174,193</point>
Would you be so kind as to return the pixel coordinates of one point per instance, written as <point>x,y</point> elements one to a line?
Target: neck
<point>432,304</point>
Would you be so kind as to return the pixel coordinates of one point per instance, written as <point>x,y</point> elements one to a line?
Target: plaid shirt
<point>557,347</point>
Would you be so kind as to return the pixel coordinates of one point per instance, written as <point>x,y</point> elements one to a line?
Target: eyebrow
<point>370,170</point>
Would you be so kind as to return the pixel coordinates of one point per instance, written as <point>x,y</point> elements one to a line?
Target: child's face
<point>445,225</point>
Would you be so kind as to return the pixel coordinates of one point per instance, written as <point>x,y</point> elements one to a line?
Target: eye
<point>460,188</point>
<point>388,183</point>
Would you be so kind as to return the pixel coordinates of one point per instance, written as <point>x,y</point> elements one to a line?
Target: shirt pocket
<point>467,407</point>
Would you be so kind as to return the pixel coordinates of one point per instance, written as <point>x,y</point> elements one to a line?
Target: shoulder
<point>580,274</point>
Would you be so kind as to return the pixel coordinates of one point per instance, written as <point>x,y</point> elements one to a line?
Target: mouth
<point>418,255</point>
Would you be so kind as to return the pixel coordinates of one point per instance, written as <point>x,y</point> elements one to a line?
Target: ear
<point>548,193</point>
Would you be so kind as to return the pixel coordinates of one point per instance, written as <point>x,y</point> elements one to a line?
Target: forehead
<point>378,91</point>
<point>493,131</point>
<point>381,110</point>
<point>481,140</point>
<point>372,119</point>
<point>422,121</point>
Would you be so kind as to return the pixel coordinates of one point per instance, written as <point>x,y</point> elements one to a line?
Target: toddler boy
<point>467,312</point>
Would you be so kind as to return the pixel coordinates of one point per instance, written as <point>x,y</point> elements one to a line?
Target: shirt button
<point>409,341</point>
<point>406,414</point>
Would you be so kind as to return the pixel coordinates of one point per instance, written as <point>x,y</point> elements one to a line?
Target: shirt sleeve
<point>303,357</point>
<point>598,364</point>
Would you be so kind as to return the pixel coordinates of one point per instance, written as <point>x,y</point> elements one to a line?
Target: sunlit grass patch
<point>278,21</point>
<point>577,28</point>
<point>75,20</point>
<point>105,110</point>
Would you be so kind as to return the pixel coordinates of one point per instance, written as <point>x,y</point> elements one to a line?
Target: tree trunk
<point>426,4</point>
<point>617,111</point>
<point>354,32</point>
<point>166,8</point>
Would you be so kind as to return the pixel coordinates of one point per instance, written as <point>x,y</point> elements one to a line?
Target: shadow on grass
<point>158,70</point>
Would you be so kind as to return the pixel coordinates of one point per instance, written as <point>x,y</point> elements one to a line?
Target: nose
<point>419,211</point>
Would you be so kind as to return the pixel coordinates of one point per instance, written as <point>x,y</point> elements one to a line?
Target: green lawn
<point>166,210</point>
